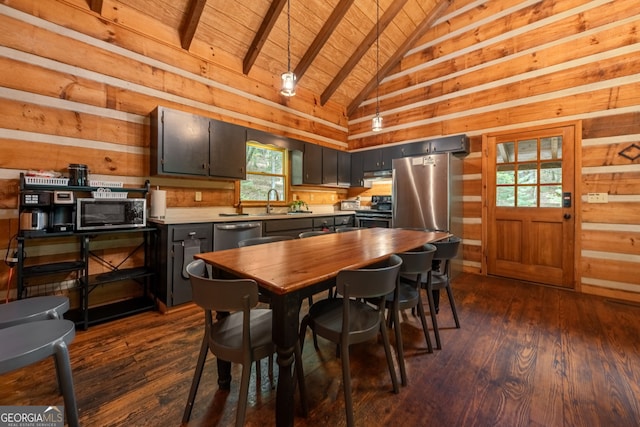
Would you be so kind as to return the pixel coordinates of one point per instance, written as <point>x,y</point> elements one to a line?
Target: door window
<point>529,173</point>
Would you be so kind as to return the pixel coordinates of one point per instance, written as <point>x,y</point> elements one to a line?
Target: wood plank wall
<point>488,66</point>
<point>78,88</point>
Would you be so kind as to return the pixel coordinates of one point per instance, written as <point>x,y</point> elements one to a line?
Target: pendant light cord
<point>377,57</point>
<point>288,35</point>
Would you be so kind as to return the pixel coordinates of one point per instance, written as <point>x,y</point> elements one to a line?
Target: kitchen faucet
<point>269,199</point>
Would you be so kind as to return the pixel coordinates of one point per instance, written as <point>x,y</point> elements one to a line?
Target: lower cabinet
<point>287,227</point>
<point>177,244</point>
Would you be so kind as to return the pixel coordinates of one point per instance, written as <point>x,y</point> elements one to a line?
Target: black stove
<point>379,215</point>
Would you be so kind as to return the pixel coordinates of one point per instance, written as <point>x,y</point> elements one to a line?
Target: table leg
<point>224,367</point>
<point>286,313</point>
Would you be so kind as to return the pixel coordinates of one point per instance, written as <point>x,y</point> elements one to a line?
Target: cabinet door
<point>227,155</point>
<point>344,168</point>
<point>458,144</point>
<point>388,154</point>
<point>357,169</point>
<point>312,164</point>
<point>183,143</point>
<point>372,160</point>
<point>416,149</point>
<point>329,166</point>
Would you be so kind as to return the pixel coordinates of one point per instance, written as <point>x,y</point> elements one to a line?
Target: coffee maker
<point>35,208</point>
<point>62,211</point>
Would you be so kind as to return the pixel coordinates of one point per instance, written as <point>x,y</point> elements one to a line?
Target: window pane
<point>262,159</point>
<point>505,153</point>
<point>256,187</point>
<point>506,174</point>
<point>551,196</point>
<point>527,150</point>
<point>527,197</point>
<point>551,173</point>
<point>505,196</point>
<point>551,148</point>
<point>528,173</point>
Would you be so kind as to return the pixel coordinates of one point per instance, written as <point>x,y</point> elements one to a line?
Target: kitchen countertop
<point>200,217</point>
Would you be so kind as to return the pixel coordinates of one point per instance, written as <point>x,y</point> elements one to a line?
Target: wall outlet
<point>597,197</point>
<point>198,196</point>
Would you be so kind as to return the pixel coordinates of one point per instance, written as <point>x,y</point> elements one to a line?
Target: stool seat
<point>32,309</point>
<point>28,343</point>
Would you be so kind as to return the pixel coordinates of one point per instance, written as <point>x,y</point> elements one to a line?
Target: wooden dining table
<point>292,270</point>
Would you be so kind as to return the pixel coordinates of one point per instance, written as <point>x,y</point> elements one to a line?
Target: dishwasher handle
<point>241,226</point>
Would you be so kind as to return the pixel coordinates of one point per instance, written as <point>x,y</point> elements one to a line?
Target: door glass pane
<point>505,196</point>
<point>505,152</point>
<point>527,197</point>
<point>506,174</point>
<point>551,173</point>
<point>551,148</point>
<point>528,173</point>
<point>527,150</point>
<point>551,196</point>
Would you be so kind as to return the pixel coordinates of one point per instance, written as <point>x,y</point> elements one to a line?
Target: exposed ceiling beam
<point>435,13</point>
<point>196,7</point>
<point>96,6</point>
<point>322,37</point>
<point>262,34</point>
<point>385,20</point>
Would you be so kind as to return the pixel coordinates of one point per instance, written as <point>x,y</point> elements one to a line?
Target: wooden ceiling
<point>332,42</point>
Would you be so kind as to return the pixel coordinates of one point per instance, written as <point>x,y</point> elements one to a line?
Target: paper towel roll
<point>158,204</point>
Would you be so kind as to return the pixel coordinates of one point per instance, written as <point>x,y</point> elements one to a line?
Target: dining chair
<point>306,234</point>
<point>446,250</point>
<point>350,319</point>
<point>264,239</point>
<point>415,265</point>
<point>244,336</point>
<point>345,229</point>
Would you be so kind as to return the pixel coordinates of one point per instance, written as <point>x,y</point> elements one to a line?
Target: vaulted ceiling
<point>333,43</point>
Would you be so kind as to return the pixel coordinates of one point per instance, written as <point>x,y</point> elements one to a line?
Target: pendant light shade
<point>288,78</point>
<point>288,84</point>
<point>376,122</point>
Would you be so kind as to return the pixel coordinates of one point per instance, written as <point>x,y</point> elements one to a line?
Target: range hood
<point>378,175</point>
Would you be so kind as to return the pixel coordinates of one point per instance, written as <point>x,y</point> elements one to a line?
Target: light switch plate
<point>597,197</point>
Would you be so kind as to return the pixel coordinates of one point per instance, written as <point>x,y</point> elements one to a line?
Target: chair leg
<point>387,352</point>
<point>300,377</point>
<point>453,305</point>
<point>423,320</point>
<point>65,378</point>
<point>434,320</point>
<point>346,380</point>
<point>202,357</point>
<point>244,394</point>
<point>395,320</point>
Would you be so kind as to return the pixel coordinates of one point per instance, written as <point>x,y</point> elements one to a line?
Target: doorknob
<point>567,216</point>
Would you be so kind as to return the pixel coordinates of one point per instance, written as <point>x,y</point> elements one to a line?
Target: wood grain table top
<point>288,266</point>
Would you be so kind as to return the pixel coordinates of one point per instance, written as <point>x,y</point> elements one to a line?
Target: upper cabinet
<point>317,165</point>
<point>184,144</point>
<point>381,158</point>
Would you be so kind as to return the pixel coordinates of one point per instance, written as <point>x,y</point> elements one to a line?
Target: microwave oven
<point>108,214</point>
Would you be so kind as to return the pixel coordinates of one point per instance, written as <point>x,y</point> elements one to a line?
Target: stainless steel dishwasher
<point>227,235</point>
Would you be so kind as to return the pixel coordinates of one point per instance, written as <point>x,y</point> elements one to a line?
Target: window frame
<point>286,175</point>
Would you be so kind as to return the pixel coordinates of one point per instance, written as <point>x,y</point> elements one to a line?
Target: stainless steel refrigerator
<point>427,192</point>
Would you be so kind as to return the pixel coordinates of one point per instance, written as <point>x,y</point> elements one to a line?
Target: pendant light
<point>376,122</point>
<point>288,78</point>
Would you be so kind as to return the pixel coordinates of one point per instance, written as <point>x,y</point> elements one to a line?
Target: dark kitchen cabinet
<point>185,144</point>
<point>381,159</point>
<point>357,170</point>
<point>307,165</point>
<point>177,244</point>
<point>329,166</point>
<point>286,227</point>
<point>456,144</point>
<point>344,169</point>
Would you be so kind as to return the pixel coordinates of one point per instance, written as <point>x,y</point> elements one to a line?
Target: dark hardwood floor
<point>526,355</point>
